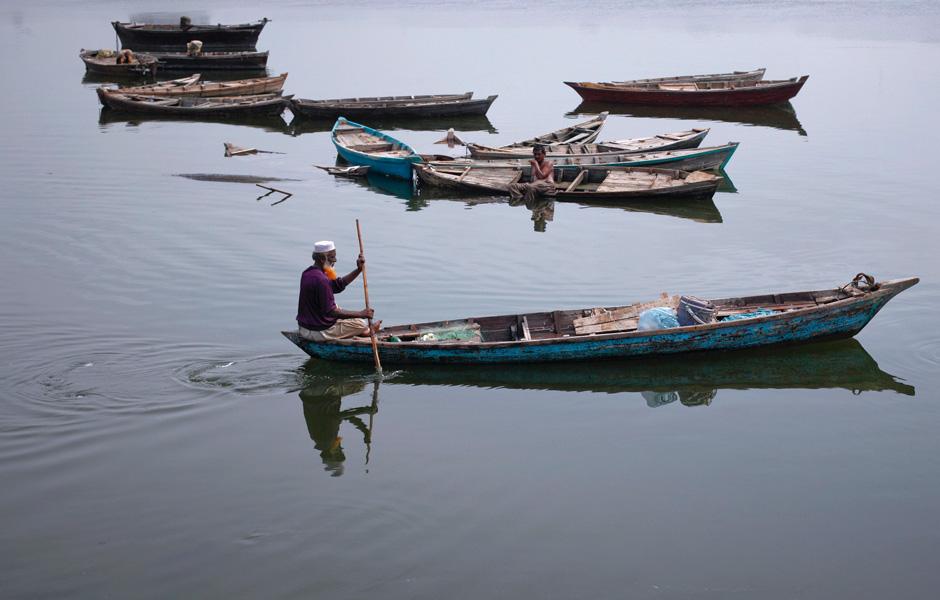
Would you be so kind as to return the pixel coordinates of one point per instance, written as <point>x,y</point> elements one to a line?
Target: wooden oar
<point>365,290</point>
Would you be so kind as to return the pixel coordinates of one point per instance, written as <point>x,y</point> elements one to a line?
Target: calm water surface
<point>159,438</point>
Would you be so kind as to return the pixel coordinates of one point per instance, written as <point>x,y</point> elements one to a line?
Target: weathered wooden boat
<point>582,184</point>
<point>735,76</point>
<point>212,61</point>
<point>591,334</point>
<point>142,65</point>
<point>167,37</point>
<point>717,93</point>
<point>694,159</point>
<point>393,106</point>
<point>679,140</point>
<point>264,104</point>
<point>194,86</point>
<point>361,145</point>
<point>579,133</point>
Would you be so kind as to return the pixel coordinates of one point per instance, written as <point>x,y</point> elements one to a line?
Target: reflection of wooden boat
<point>212,61</point>
<point>717,93</point>
<point>695,159</point>
<point>361,145</point>
<point>265,104</point>
<point>143,65</point>
<point>841,364</point>
<point>582,184</point>
<point>167,37</point>
<point>393,106</point>
<point>579,133</point>
<point>799,317</point>
<point>459,123</point>
<point>193,86</point>
<point>779,116</point>
<point>270,123</point>
<point>734,76</point>
<point>663,141</point>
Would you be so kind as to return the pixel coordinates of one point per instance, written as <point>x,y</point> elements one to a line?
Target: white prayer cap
<point>323,247</point>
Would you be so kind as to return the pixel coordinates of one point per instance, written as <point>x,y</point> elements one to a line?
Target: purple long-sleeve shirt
<point>316,299</point>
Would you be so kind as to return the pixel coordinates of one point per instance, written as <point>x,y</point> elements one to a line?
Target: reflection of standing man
<point>322,404</point>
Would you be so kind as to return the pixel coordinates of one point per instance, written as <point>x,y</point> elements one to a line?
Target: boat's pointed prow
<point>294,337</point>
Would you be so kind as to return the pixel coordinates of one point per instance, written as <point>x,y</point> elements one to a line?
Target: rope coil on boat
<point>862,283</point>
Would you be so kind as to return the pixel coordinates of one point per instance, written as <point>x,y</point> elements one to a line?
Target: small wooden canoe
<point>212,61</point>
<point>445,105</point>
<point>361,145</point>
<point>193,86</point>
<point>691,138</point>
<point>579,133</point>
<point>143,65</point>
<point>169,37</point>
<point>599,333</point>
<point>694,159</point>
<point>264,104</point>
<point>582,184</point>
<point>718,93</point>
<point>734,76</point>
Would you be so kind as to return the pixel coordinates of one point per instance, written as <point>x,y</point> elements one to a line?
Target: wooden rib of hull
<point>193,87</point>
<point>761,93</point>
<point>679,140</point>
<point>394,106</point>
<point>145,65</point>
<point>171,37</point>
<point>266,104</point>
<point>802,317</point>
<point>212,61</point>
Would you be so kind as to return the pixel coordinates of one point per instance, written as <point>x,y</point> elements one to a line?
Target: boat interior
<point>358,139</point>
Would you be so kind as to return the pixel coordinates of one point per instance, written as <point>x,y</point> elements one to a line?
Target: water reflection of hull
<point>272,123</point>
<point>781,116</point>
<point>841,364</point>
<point>302,125</point>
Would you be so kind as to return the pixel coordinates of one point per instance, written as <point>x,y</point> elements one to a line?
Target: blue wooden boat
<point>590,334</point>
<point>361,145</point>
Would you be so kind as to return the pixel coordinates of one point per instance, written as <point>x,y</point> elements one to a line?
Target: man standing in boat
<point>541,182</point>
<point>318,317</point>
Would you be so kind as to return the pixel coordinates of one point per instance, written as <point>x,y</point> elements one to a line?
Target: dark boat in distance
<point>264,104</point>
<point>441,105</point>
<point>212,61</point>
<point>168,37</point>
<point>591,334</point>
<point>716,93</point>
<point>142,65</point>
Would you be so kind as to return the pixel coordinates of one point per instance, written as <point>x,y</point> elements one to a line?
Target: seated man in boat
<point>318,317</point>
<point>542,180</point>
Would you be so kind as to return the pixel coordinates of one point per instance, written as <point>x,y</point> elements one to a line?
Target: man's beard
<point>329,272</point>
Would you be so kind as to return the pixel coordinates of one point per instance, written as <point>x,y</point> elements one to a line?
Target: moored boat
<point>442,105</point>
<point>264,104</point>
<point>194,86</point>
<point>361,145</point>
<point>105,62</point>
<point>212,61</point>
<point>580,184</point>
<point>169,36</point>
<point>590,334</point>
<point>717,93</point>
<point>691,138</point>
<point>579,133</point>
<point>735,76</point>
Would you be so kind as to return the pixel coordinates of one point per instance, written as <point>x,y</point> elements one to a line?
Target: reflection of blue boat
<point>361,145</point>
<point>797,317</point>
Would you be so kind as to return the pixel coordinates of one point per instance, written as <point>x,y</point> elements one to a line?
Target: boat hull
<point>170,38</point>
<point>221,61</point>
<point>146,66</point>
<point>844,319</point>
<point>119,102</point>
<point>316,110</point>
<point>399,167</point>
<point>756,95</point>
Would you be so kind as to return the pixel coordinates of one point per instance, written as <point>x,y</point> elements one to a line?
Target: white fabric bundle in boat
<point>194,48</point>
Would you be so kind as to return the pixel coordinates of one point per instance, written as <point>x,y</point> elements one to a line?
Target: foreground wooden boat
<point>720,93</point>
<point>195,87</point>
<point>694,159</point>
<point>265,104</point>
<point>143,65</point>
<point>168,37</point>
<point>550,336</point>
<point>582,184</point>
<point>361,145</point>
<point>393,106</point>
<point>212,61</point>
<point>691,138</point>
<point>737,77</point>
<point>579,133</point>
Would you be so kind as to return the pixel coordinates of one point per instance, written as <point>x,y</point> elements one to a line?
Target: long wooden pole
<point>365,289</point>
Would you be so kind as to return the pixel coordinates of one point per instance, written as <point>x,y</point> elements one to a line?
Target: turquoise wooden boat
<point>361,145</point>
<point>590,334</point>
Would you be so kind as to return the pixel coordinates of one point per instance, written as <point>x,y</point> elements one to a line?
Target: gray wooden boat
<point>194,86</point>
<point>679,140</point>
<point>142,65</point>
<point>264,104</point>
<point>212,61</point>
<point>580,133</point>
<point>168,36</point>
<point>442,105</point>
